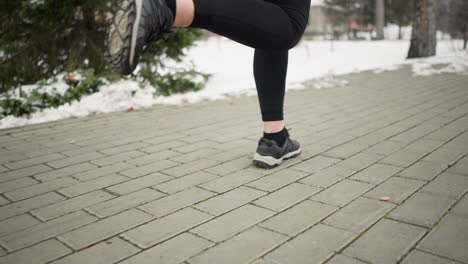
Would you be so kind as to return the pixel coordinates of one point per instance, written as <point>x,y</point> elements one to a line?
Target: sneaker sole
<point>268,162</point>
<point>121,38</point>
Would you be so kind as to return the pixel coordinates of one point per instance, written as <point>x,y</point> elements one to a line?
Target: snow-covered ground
<point>231,67</point>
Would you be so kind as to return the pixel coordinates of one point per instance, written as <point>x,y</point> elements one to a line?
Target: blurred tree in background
<point>400,12</point>
<point>424,34</point>
<point>458,20</point>
<point>40,38</point>
<point>451,15</point>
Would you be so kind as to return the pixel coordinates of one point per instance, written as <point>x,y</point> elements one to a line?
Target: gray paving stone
<point>103,229</point>
<point>264,261</point>
<point>34,161</point>
<point>110,251</point>
<point>17,223</point>
<point>195,146</point>
<point>342,259</point>
<point>230,200</point>
<point>46,230</point>
<point>3,169</point>
<point>461,167</point>
<point>64,172</point>
<point>9,156</point>
<point>403,158</point>
<point>277,180</point>
<point>116,158</point>
<point>448,185</point>
<point>166,227</point>
<point>74,150</point>
<point>230,166</point>
<point>325,240</point>
<point>123,148</point>
<point>252,243</point>
<point>102,171</point>
<point>342,118</point>
<point>425,145</point>
<point>41,253</point>
<point>327,177</point>
<point>421,257</point>
<point>124,202</point>
<point>176,201</point>
<point>286,196</point>
<point>92,185</point>
<point>148,159</point>
<point>342,193</point>
<point>385,148</point>
<point>448,239</point>
<point>419,131</point>
<point>139,183</point>
<point>71,205</point>
<point>185,182</point>
<point>190,167</point>
<point>299,217</point>
<point>236,221</point>
<point>423,170</point>
<point>359,161</point>
<point>60,163</point>
<point>148,169</point>
<point>17,184</point>
<point>461,209</point>
<point>24,172</point>
<point>197,154</point>
<point>231,181</point>
<point>3,201</point>
<point>359,214</point>
<point>429,209</point>
<point>27,205</point>
<point>397,188</point>
<point>41,188</point>
<point>163,146</point>
<point>230,155</point>
<point>448,153</point>
<point>398,239</point>
<point>173,251</point>
<point>376,173</point>
<point>231,140</point>
<point>346,150</point>
<point>315,164</point>
<point>338,139</point>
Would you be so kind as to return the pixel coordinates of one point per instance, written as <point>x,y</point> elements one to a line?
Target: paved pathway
<point>176,185</point>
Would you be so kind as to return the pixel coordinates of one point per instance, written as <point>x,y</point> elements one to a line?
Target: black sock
<point>172,6</point>
<point>279,137</point>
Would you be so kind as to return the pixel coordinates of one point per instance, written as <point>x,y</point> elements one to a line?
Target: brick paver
<point>154,186</point>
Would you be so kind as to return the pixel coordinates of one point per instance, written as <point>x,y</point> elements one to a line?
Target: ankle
<point>273,126</point>
<point>279,137</point>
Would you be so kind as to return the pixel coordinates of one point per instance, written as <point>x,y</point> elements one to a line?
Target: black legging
<point>270,27</point>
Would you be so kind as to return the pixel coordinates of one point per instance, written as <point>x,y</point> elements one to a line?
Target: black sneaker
<point>270,155</point>
<point>134,25</point>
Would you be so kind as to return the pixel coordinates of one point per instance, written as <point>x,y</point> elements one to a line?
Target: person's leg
<point>260,24</point>
<point>270,68</point>
<point>271,27</point>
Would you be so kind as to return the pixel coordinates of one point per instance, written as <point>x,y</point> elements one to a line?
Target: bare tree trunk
<point>379,18</point>
<point>424,37</point>
<point>465,33</point>
<point>400,34</point>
